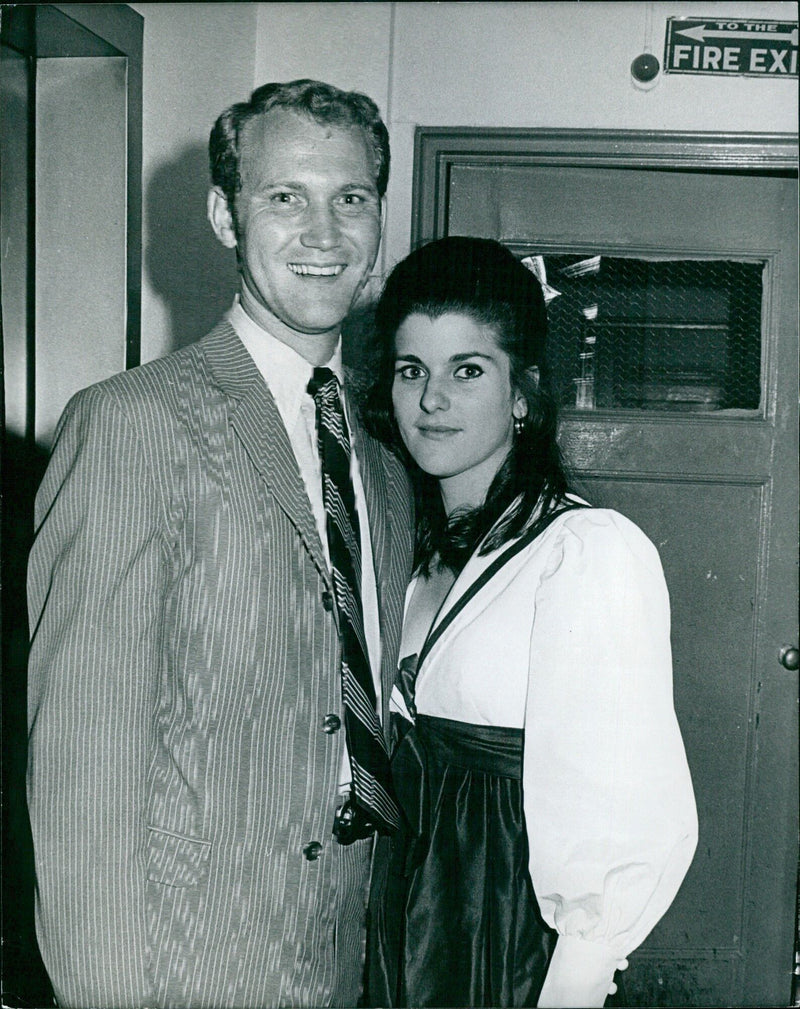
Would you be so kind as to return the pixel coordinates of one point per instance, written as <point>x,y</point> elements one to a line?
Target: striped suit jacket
<point>184,655</point>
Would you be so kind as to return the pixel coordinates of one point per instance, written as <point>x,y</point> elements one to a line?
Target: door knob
<point>789,657</point>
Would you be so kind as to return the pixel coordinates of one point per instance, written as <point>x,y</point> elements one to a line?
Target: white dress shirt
<point>570,641</point>
<point>287,375</point>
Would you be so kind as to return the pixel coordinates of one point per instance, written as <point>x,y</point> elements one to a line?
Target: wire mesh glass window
<point>641,334</point>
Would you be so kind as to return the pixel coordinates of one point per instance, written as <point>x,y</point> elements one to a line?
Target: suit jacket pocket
<point>176,860</point>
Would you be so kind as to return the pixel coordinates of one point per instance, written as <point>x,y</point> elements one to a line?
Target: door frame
<point>438,149</point>
<point>64,31</point>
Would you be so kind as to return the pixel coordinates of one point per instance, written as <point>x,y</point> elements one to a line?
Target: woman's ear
<point>221,218</point>
<point>520,407</point>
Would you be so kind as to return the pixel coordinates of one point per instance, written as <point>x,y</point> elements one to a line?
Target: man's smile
<point>311,270</point>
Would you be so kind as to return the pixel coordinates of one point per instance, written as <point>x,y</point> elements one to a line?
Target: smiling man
<point>216,594</point>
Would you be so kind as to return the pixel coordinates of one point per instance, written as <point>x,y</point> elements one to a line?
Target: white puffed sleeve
<point>608,797</point>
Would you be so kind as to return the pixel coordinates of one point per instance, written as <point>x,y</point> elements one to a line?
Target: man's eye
<point>283,198</point>
<point>469,371</point>
<point>355,203</point>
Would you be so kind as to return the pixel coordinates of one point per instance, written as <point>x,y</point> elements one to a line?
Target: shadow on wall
<point>24,980</point>
<point>193,274</point>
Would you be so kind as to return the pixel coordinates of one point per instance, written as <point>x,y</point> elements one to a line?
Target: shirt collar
<point>286,372</point>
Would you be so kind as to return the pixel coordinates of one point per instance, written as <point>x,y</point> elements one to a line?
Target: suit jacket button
<point>327,600</point>
<point>331,723</point>
<point>312,850</point>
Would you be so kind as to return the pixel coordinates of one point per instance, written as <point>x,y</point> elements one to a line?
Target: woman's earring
<point>519,425</point>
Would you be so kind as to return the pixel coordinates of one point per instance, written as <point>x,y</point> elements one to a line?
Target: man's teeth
<point>306,269</point>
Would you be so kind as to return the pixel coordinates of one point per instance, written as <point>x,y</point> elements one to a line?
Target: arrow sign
<point>731,47</point>
<point>702,32</point>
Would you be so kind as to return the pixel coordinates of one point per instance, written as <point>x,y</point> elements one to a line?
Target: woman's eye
<point>469,371</point>
<point>408,372</point>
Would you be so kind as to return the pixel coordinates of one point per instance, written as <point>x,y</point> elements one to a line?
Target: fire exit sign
<point>722,46</point>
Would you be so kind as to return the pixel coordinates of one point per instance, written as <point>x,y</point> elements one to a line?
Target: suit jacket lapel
<point>257,423</point>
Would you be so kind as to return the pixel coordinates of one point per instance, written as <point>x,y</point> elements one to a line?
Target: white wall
<point>198,59</point>
<point>534,64</point>
<point>530,64</point>
<point>345,44</point>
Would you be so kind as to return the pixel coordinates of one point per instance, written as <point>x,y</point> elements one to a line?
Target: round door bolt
<point>331,723</point>
<point>312,850</point>
<point>789,657</point>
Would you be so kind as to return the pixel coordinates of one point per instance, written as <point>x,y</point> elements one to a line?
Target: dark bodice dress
<point>460,925</point>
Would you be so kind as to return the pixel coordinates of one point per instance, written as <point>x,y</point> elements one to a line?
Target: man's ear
<point>220,218</point>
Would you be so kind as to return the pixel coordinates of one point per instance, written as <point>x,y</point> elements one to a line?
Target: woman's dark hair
<point>483,280</point>
<point>322,102</point>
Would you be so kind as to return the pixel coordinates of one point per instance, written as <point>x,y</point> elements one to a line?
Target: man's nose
<point>321,229</point>
<point>434,396</point>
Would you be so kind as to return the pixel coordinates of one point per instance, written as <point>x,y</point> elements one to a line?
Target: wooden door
<point>702,453</point>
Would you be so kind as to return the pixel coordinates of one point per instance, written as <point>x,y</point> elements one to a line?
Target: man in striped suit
<point>188,753</point>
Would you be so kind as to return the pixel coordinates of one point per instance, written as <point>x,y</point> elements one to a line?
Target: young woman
<point>549,810</point>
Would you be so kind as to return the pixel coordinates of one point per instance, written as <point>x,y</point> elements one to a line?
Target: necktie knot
<point>321,378</point>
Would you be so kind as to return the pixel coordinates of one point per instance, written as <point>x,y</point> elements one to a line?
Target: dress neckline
<point>496,560</point>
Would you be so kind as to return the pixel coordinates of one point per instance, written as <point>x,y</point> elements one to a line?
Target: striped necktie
<point>372,789</point>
